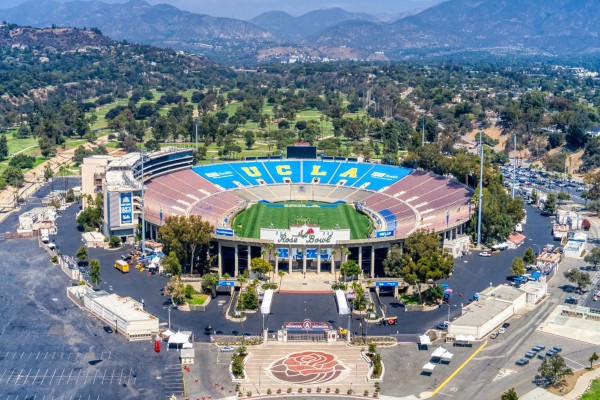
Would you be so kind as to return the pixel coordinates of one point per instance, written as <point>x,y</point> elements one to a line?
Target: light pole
<point>480,192</point>
<point>142,154</point>
<point>423,132</point>
<point>514,182</point>
<point>169,310</point>
<point>196,121</point>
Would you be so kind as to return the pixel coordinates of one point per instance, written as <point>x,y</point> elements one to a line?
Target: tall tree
<point>3,147</point>
<point>518,266</point>
<point>550,203</point>
<point>554,368</point>
<point>95,272</point>
<point>186,236</point>
<point>593,257</point>
<point>529,256</point>
<point>510,394</point>
<point>82,253</point>
<point>350,269</point>
<point>171,264</point>
<point>593,358</point>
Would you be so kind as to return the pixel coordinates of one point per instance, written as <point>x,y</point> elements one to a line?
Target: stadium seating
<point>400,198</point>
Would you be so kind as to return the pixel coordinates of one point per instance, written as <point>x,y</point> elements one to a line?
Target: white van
<point>45,239</point>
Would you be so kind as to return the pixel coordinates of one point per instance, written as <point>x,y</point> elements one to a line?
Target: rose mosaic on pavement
<point>307,367</point>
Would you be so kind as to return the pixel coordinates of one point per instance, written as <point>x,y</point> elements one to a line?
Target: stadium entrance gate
<point>307,331</point>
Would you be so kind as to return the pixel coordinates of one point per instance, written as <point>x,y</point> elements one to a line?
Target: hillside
<point>137,21</point>
<point>300,29</point>
<point>557,27</point>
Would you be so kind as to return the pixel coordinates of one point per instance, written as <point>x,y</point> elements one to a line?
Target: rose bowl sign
<point>305,234</point>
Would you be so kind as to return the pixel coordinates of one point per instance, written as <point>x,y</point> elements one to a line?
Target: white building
<point>495,306</point>
<point>123,314</point>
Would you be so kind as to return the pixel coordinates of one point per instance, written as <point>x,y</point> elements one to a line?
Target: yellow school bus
<point>122,266</point>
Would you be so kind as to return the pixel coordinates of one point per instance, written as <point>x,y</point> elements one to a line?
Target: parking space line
<point>22,354</point>
<point>10,377</point>
<point>19,375</point>
<point>44,378</point>
<point>86,376</point>
<point>104,376</point>
<point>60,377</point>
<point>36,375</point>
<point>38,355</point>
<point>14,355</point>
<point>53,354</point>
<point>27,377</point>
<point>1,377</point>
<point>51,379</point>
<point>95,376</point>
<point>573,361</point>
<point>70,373</point>
<point>112,376</point>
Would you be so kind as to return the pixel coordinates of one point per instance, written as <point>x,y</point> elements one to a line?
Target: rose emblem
<point>308,367</point>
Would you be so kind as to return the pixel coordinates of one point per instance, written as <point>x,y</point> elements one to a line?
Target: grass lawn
<point>327,216</point>
<point>197,299</point>
<point>594,391</point>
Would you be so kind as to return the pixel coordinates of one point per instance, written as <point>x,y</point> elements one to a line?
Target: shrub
<point>337,390</point>
<point>54,260</point>
<point>327,390</point>
<point>308,390</point>
<point>349,391</point>
<point>319,390</point>
<point>366,393</point>
<point>289,390</point>
<point>114,242</point>
<point>299,390</point>
<point>249,393</point>
<point>269,391</point>
<point>278,391</point>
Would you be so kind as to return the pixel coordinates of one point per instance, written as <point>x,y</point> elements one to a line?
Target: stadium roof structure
<point>395,198</point>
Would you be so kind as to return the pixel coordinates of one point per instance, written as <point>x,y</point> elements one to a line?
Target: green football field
<point>282,215</point>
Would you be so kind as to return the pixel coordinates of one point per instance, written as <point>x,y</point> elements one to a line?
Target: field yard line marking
<point>19,376</point>
<point>2,377</point>
<point>464,364</point>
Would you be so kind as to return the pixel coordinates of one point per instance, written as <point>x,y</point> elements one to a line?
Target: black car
<point>505,325</point>
<point>108,329</point>
<point>522,361</point>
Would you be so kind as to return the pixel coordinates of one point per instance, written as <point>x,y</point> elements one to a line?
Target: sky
<point>246,9</point>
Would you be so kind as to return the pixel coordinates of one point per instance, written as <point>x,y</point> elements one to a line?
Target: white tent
<point>424,340</point>
<point>460,338</point>
<point>167,334</point>
<point>447,356</point>
<point>438,353</point>
<point>428,367</point>
<point>188,345</point>
<point>179,338</point>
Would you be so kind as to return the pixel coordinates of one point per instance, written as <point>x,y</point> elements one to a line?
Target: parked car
<point>506,325</point>
<point>443,326</point>
<point>538,348</point>
<point>571,300</point>
<point>530,354</point>
<point>108,329</point>
<point>522,361</point>
<point>485,254</point>
<point>550,353</point>
<point>227,349</point>
<point>541,356</point>
<point>494,335</point>
<point>502,330</point>
<point>557,349</point>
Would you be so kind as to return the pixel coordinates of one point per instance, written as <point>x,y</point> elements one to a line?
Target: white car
<point>502,330</point>
<point>227,349</point>
<point>485,254</point>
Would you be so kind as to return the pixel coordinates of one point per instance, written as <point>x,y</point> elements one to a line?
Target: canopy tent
<point>424,340</point>
<point>460,338</point>
<point>438,353</point>
<point>167,334</point>
<point>188,345</point>
<point>429,367</point>
<point>179,338</point>
<point>447,356</point>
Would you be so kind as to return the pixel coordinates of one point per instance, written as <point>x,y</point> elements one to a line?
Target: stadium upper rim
<point>396,199</point>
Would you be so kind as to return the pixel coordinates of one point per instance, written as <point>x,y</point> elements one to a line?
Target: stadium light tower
<point>143,209</point>
<point>423,132</point>
<point>480,191</point>
<point>196,121</point>
<point>514,168</point>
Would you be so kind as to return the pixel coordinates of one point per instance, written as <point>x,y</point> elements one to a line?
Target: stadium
<point>304,214</point>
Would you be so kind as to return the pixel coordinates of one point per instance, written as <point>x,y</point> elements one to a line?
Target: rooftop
<point>126,307</point>
<point>480,312</point>
<point>502,292</point>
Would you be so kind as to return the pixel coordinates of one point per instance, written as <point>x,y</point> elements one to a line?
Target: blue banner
<point>226,283</point>
<point>311,254</point>
<point>386,283</point>
<point>298,254</point>
<point>224,232</point>
<point>283,253</point>
<point>388,233</point>
<point>126,208</point>
<point>325,254</point>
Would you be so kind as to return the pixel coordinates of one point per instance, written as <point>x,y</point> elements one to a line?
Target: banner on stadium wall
<point>312,254</point>
<point>298,254</point>
<point>304,234</point>
<point>126,208</point>
<point>283,253</point>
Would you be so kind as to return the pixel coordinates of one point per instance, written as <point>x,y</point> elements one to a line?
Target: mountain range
<point>539,27</point>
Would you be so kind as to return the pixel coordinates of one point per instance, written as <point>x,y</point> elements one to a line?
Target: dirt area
<point>571,381</point>
<point>495,133</point>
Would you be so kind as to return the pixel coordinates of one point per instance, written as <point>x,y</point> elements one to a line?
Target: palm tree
<point>281,274</point>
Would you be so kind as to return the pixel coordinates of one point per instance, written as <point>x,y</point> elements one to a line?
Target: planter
<point>245,378</point>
